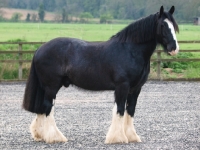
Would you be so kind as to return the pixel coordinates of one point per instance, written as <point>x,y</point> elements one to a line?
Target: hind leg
<point>116,132</point>
<point>43,128</point>
<point>128,117</point>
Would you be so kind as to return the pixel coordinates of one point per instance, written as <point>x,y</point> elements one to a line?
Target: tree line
<point>186,10</point>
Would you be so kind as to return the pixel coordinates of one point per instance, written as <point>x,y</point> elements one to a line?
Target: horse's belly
<point>93,83</point>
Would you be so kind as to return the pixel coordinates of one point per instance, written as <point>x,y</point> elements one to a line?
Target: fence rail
<point>158,59</point>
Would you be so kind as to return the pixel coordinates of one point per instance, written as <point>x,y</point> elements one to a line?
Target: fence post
<point>20,63</point>
<point>158,65</point>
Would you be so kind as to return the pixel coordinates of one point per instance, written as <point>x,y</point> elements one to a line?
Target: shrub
<point>85,16</point>
<point>178,67</point>
<point>16,17</point>
<point>106,18</point>
<point>28,17</point>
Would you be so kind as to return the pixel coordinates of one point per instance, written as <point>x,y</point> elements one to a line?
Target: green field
<point>91,32</point>
<point>42,32</point>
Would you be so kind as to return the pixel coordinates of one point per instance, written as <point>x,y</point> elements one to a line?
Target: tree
<point>92,6</point>
<point>49,5</point>
<point>119,9</point>
<point>34,17</point>
<point>1,15</point>
<point>33,4</point>
<point>106,18</point>
<point>28,17</point>
<point>41,12</point>
<point>85,16</point>
<point>16,17</point>
<point>64,15</point>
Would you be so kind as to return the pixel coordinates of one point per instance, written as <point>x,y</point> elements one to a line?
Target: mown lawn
<point>91,32</point>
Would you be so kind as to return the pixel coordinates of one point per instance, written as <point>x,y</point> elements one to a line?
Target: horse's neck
<point>150,48</point>
<point>145,30</point>
<point>140,32</point>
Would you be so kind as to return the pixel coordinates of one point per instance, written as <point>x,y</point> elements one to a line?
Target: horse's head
<point>166,28</point>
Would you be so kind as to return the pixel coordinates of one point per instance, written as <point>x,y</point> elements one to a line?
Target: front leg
<point>116,132</point>
<point>128,117</point>
<point>129,129</point>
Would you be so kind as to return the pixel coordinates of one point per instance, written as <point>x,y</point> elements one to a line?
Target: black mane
<point>140,31</point>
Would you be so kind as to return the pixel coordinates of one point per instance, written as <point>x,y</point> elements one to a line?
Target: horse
<point>120,64</point>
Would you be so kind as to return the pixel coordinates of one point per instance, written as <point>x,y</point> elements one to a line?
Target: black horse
<point>121,64</point>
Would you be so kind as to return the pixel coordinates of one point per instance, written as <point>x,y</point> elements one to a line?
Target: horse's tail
<point>34,93</point>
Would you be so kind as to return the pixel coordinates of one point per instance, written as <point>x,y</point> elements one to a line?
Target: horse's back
<point>69,61</point>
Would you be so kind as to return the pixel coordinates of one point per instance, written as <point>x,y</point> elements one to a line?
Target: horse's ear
<point>161,11</point>
<point>171,11</point>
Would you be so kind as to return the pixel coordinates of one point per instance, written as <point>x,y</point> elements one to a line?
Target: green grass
<point>45,32</point>
<point>188,33</point>
<point>91,32</point>
<point>42,32</point>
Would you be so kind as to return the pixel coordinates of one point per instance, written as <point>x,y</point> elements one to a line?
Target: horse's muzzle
<point>173,52</point>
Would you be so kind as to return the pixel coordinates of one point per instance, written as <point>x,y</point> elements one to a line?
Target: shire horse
<point>121,64</point>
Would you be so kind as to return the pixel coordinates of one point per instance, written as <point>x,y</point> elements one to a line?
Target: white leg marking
<point>129,129</point>
<point>116,132</point>
<point>44,129</point>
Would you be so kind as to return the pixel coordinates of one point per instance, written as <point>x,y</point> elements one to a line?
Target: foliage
<point>2,19</point>
<point>106,18</point>
<point>85,16</point>
<point>16,17</point>
<point>178,67</point>
<point>1,16</point>
<point>64,15</point>
<point>28,17</point>
<point>41,12</point>
<point>34,17</point>
<point>119,9</point>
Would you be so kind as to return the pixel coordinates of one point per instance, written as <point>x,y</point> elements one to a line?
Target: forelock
<point>171,19</point>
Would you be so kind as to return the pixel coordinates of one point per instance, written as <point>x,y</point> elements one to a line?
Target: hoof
<point>56,139</point>
<point>116,132</point>
<point>116,140</point>
<point>130,130</point>
<point>116,137</point>
<point>132,135</point>
<point>43,128</point>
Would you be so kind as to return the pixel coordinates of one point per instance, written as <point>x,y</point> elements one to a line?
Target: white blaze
<point>170,25</point>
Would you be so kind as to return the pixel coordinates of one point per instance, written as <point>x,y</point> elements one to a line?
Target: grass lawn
<point>45,32</point>
<point>90,32</point>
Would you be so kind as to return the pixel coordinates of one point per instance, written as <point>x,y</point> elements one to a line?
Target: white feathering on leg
<point>116,132</point>
<point>44,129</point>
<point>129,129</point>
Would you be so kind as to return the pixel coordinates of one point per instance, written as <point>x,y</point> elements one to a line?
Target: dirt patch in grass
<point>8,12</point>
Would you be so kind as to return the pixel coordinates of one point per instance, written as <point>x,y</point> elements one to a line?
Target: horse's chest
<point>140,76</point>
